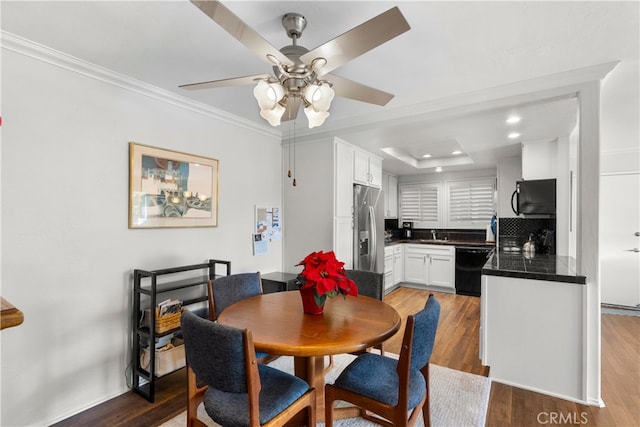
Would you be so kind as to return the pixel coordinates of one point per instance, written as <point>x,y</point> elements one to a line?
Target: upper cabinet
<point>367,169</point>
<point>390,190</point>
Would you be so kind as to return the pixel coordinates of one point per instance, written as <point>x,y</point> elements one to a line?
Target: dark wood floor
<point>457,348</point>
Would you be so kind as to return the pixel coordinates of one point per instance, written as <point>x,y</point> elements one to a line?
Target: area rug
<point>457,398</point>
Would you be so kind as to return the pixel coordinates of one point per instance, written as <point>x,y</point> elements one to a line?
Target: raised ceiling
<point>452,49</point>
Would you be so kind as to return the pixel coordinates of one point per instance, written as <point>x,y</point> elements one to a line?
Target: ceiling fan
<point>301,76</point>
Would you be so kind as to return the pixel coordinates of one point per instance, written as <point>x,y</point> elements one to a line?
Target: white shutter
<point>419,203</point>
<point>470,202</point>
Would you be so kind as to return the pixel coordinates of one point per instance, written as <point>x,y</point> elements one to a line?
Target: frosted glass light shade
<point>315,118</point>
<point>268,94</point>
<point>274,115</point>
<point>319,96</point>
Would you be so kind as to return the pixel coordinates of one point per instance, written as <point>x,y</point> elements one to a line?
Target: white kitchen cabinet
<point>343,206</point>
<point>415,264</point>
<point>430,265</point>
<point>442,267</point>
<point>388,267</point>
<point>398,264</point>
<point>343,239</point>
<point>390,190</point>
<point>367,169</point>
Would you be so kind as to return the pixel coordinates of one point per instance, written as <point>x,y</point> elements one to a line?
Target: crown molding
<point>26,47</point>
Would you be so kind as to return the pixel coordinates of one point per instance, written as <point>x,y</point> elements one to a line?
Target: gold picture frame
<point>170,189</point>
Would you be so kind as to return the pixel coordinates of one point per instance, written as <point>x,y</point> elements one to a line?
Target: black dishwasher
<point>469,263</point>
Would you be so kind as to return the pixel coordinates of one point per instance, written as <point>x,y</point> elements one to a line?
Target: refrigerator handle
<point>374,239</point>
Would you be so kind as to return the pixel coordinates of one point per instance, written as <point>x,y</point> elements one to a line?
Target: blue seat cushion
<point>279,390</point>
<point>261,355</point>
<point>375,376</point>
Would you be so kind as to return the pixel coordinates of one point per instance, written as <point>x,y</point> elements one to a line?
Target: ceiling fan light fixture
<point>273,115</point>
<point>268,94</point>
<point>319,96</point>
<point>315,118</point>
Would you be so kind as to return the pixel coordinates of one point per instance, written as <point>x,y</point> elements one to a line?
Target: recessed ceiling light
<point>426,156</point>
<point>455,153</point>
<point>439,169</point>
<point>514,135</point>
<point>513,119</point>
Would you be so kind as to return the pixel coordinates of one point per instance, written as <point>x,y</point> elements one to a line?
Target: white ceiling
<point>452,49</point>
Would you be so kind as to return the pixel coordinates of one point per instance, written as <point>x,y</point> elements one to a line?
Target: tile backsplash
<point>516,231</point>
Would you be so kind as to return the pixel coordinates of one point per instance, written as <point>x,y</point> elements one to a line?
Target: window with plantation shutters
<point>470,202</point>
<point>419,204</point>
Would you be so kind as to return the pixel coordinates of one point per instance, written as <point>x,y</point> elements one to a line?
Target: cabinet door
<point>375,172</point>
<point>441,271</point>
<point>415,267</point>
<point>385,192</point>
<point>398,265</point>
<point>361,167</point>
<point>391,197</point>
<point>343,240</point>
<point>388,267</point>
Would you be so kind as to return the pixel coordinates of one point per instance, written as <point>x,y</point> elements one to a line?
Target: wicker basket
<point>164,323</point>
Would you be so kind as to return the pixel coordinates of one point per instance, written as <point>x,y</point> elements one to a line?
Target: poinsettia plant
<point>326,275</point>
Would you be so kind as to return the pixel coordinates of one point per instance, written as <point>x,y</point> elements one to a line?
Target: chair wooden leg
<point>194,398</point>
<point>426,408</point>
<point>328,405</point>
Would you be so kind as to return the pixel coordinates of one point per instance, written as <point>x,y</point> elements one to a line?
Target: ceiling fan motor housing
<point>297,76</point>
<point>294,24</point>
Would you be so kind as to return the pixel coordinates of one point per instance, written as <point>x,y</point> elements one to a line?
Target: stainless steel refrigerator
<point>368,226</point>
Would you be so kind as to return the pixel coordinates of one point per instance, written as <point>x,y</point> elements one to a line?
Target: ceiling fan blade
<point>240,31</point>
<point>358,40</point>
<point>353,90</point>
<point>237,81</point>
<point>293,106</point>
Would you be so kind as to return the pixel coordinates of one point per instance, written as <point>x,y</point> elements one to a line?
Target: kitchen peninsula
<point>532,323</point>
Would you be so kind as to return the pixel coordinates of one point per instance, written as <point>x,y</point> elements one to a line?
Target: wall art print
<point>171,189</point>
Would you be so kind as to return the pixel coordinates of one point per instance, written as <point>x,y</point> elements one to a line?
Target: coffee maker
<point>406,229</point>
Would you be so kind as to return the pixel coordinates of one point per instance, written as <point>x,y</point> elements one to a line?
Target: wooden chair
<point>387,387</point>
<point>221,293</point>
<point>370,284</point>
<point>240,392</point>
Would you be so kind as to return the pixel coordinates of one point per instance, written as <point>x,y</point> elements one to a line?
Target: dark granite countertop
<point>553,268</point>
<point>480,244</point>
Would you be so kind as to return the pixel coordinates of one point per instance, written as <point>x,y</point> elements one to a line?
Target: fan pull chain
<point>294,153</point>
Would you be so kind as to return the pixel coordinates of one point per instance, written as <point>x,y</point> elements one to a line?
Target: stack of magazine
<point>170,306</point>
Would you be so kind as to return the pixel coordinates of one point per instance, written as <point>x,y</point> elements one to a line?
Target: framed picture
<point>171,189</point>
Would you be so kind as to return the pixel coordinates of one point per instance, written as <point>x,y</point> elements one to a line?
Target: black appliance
<point>469,263</point>
<point>406,229</point>
<point>536,196</point>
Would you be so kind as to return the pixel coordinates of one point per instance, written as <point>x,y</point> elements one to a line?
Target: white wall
<point>308,205</point>
<point>67,254</point>
<point>620,119</point>
<point>509,171</point>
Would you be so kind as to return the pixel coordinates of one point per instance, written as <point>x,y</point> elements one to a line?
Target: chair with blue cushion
<point>240,392</point>
<point>395,390</point>
<point>222,292</point>
<point>370,284</point>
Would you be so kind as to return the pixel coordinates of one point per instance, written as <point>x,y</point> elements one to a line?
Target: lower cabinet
<point>430,265</point>
<point>415,264</point>
<point>398,264</point>
<point>388,267</point>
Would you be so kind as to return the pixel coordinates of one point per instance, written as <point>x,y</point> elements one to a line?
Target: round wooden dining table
<point>280,327</point>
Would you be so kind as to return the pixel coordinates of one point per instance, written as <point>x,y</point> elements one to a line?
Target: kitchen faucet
<point>433,234</point>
